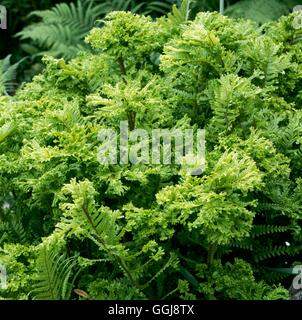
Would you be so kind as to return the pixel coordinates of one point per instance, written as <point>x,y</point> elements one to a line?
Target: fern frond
<point>178,16</point>
<point>245,244</point>
<point>181,14</point>
<point>172,262</point>
<point>63,28</point>
<point>274,251</point>
<point>18,229</point>
<point>258,10</point>
<point>277,274</point>
<point>54,274</point>
<point>83,211</point>
<point>261,230</point>
<point>8,74</point>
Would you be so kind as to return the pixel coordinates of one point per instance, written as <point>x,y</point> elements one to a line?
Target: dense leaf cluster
<point>73,228</point>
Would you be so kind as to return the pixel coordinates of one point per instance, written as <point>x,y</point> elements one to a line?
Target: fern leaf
<point>261,230</point>
<point>275,251</point>
<point>63,28</point>
<point>8,74</point>
<point>54,272</point>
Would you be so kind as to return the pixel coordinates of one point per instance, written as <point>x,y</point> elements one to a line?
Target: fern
<point>270,66</point>
<point>227,97</point>
<point>179,15</point>
<point>269,252</point>
<point>63,28</point>
<point>17,229</point>
<point>240,82</point>
<point>54,275</point>
<point>101,221</point>
<point>258,10</point>
<point>245,244</point>
<point>261,230</point>
<point>172,262</point>
<point>8,74</point>
<point>273,275</point>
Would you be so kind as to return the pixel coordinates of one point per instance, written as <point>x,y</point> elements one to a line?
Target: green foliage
<point>8,74</point>
<point>149,231</point>
<point>204,203</point>
<point>54,272</point>
<point>236,281</point>
<point>19,263</point>
<point>125,34</point>
<point>62,28</point>
<point>5,131</point>
<point>261,11</point>
<point>104,289</point>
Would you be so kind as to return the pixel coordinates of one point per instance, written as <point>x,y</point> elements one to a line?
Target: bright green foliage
<point>5,131</point>
<point>236,281</point>
<point>215,205</point>
<point>53,275</point>
<point>19,261</point>
<point>72,228</point>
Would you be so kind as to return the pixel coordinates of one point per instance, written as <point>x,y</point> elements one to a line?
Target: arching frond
<point>63,28</point>
<point>8,74</point>
<point>54,275</point>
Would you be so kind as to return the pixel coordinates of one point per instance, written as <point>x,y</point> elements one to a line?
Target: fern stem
<point>121,63</point>
<point>170,293</point>
<point>131,114</point>
<point>117,259</point>
<point>211,252</point>
<point>131,120</point>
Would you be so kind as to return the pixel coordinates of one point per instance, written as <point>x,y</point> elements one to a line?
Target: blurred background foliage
<point>58,28</point>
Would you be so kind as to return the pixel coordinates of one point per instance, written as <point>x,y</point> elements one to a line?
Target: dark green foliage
<point>63,28</point>
<point>8,75</point>
<point>54,273</point>
<point>261,11</point>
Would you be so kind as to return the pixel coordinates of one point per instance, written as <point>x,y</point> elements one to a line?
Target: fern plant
<point>153,231</point>
<point>63,28</point>
<point>54,273</point>
<point>261,11</point>
<point>8,74</point>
